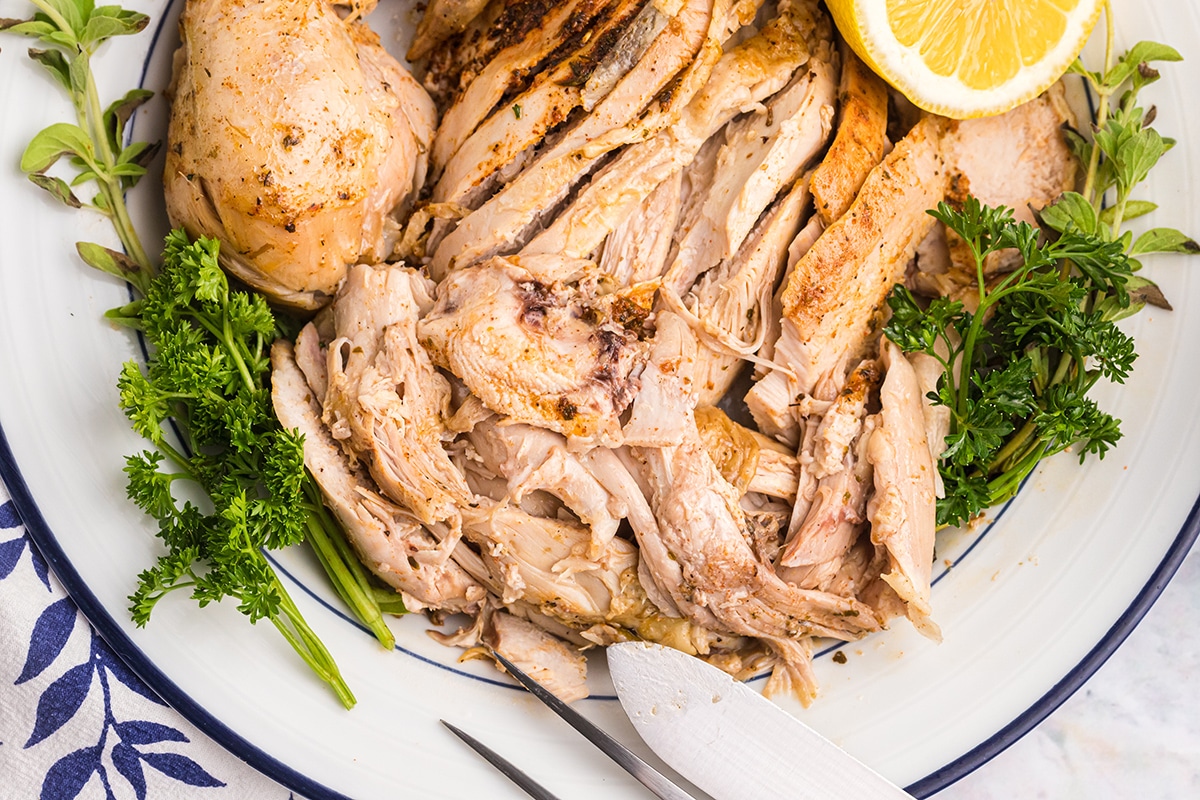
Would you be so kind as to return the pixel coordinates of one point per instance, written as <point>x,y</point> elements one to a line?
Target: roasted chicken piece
<point>902,509</point>
<point>746,75</point>
<point>859,144</point>
<point>384,400</point>
<point>389,539</point>
<point>293,138</point>
<point>836,291</point>
<point>551,354</point>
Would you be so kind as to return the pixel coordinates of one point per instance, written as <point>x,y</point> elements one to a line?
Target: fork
<point>660,785</point>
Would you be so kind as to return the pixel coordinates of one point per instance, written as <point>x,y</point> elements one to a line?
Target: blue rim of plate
<point>117,639</point>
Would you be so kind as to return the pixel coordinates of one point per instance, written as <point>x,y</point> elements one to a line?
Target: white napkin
<point>74,721</point>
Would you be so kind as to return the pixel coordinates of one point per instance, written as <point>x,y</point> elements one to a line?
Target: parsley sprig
<point>224,481</point>
<point>1018,367</point>
<point>209,372</point>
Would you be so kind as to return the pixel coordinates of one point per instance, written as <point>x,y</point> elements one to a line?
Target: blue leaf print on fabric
<point>60,701</point>
<point>39,564</point>
<point>10,554</point>
<point>122,673</point>
<point>128,762</point>
<point>181,768</point>
<point>8,515</point>
<point>140,731</point>
<point>70,774</point>
<point>50,634</point>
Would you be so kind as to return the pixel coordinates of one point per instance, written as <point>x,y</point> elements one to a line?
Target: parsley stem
<point>344,569</point>
<point>308,646</point>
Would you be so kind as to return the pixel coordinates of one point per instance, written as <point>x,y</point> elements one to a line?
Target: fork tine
<point>648,776</point>
<point>510,771</point>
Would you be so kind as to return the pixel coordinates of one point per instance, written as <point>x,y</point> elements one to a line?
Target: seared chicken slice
<point>441,20</point>
<point>547,354</point>
<point>385,401</point>
<point>522,122</point>
<point>388,538</point>
<point>636,108</point>
<point>1018,159</point>
<point>834,295</point>
<point>860,142</point>
<point>293,136</point>
<point>545,30</point>
<point>745,76</point>
<point>902,510</point>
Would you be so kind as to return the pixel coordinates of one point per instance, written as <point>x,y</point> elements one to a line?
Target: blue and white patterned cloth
<point>74,721</point>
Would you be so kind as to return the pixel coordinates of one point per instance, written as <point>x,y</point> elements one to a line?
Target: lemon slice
<point>967,58</point>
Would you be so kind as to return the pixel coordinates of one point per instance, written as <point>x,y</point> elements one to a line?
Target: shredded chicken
<point>545,418</point>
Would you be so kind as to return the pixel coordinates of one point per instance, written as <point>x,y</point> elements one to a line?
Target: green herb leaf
<point>52,143</point>
<point>1071,211</point>
<point>1164,240</point>
<point>56,187</point>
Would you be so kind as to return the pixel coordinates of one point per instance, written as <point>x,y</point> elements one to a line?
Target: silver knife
<point>728,739</point>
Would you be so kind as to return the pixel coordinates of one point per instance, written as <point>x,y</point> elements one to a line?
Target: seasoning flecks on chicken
<point>385,401</point>
<point>506,68</point>
<point>745,76</point>
<point>500,224</point>
<point>836,291</point>
<point>860,141</point>
<point>293,136</point>
<point>543,354</point>
<point>902,511</point>
<point>524,120</point>
<point>441,20</point>
<point>389,539</point>
<point>841,422</point>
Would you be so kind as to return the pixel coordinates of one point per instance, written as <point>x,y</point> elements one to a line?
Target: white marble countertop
<point>1133,730</point>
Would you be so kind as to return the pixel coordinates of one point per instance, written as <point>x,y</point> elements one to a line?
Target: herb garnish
<point>207,377</point>
<point>1019,366</point>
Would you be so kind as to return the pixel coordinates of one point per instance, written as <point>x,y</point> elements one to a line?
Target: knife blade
<point>727,738</point>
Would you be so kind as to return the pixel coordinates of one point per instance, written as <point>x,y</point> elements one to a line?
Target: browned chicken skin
<point>293,137</point>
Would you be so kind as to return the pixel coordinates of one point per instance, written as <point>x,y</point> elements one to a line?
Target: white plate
<point>1031,607</point>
